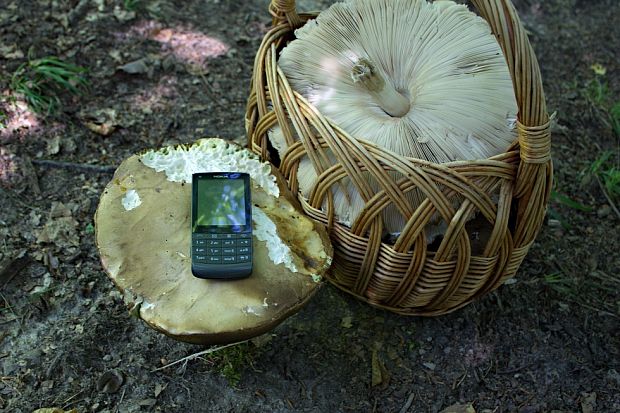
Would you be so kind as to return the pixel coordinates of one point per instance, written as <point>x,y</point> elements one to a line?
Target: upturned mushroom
<point>423,80</point>
<point>143,236</point>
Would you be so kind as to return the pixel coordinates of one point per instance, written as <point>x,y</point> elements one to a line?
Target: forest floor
<point>162,74</point>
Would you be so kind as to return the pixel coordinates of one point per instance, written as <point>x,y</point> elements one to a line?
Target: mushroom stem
<point>390,100</point>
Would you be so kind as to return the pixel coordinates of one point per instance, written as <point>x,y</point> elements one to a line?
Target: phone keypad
<point>222,248</point>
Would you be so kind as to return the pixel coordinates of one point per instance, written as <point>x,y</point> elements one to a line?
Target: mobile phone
<point>221,225</point>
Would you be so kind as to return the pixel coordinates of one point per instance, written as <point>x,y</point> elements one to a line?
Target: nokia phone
<point>221,225</point>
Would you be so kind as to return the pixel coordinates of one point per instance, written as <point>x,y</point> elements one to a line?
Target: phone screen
<point>221,202</point>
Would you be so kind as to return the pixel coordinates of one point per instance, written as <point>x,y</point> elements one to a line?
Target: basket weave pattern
<point>508,192</point>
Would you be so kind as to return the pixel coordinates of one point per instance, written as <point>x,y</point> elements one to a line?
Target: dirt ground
<point>547,342</point>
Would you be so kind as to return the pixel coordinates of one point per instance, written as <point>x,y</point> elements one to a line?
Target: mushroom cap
<point>145,248</point>
<point>439,55</point>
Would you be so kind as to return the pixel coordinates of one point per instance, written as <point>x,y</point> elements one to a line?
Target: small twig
<point>71,399</point>
<point>407,405</point>
<point>611,202</point>
<point>121,400</point>
<point>196,355</point>
<point>104,169</point>
<point>515,370</point>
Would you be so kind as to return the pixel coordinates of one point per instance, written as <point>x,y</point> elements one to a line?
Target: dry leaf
<point>460,408</point>
<point>10,52</point>
<point>379,372</point>
<point>102,121</point>
<point>136,67</point>
<point>588,402</point>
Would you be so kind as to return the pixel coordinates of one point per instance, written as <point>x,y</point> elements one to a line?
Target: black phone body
<point>221,225</point>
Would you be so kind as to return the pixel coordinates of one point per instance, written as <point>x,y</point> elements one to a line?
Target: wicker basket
<point>508,192</point>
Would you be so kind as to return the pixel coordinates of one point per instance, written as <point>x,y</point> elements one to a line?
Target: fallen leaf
<point>147,402</point>
<point>588,402</point>
<point>59,209</point>
<point>379,372</point>
<point>159,388</point>
<point>60,228</point>
<point>53,145</point>
<point>429,365</point>
<point>101,121</point>
<point>136,67</point>
<point>10,52</point>
<point>459,408</point>
<point>346,322</point>
<point>103,129</point>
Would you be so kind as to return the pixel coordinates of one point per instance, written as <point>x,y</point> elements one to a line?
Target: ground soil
<point>547,341</point>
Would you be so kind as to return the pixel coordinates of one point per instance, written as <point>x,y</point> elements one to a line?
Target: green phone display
<point>221,225</point>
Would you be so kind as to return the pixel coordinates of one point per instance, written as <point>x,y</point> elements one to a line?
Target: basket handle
<point>533,123</point>
<point>535,175</point>
<point>285,11</point>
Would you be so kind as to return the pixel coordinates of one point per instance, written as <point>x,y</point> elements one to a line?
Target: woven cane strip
<point>515,262</point>
<point>479,271</point>
<point>535,143</point>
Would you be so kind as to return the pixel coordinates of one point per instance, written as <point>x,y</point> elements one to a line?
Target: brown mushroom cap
<point>146,252</point>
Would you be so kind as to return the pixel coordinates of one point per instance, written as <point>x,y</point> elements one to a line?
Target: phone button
<point>244,235</point>
<point>243,250</point>
<point>243,258</point>
<point>244,242</point>
<point>228,251</point>
<point>215,251</point>
<point>229,259</point>
<point>200,242</point>
<point>228,243</point>
<point>200,258</point>
<point>199,250</point>
<point>214,260</point>
<point>213,243</point>
<point>227,236</point>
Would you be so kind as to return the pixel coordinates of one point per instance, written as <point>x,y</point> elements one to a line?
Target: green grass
<point>614,114</point>
<point>565,200</point>
<point>131,5</point>
<point>607,171</point>
<point>42,81</point>
<point>596,290</point>
<point>3,119</point>
<point>597,91</point>
<point>606,108</point>
<point>231,361</point>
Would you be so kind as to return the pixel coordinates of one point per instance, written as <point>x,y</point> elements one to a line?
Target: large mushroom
<point>143,236</point>
<point>424,80</point>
